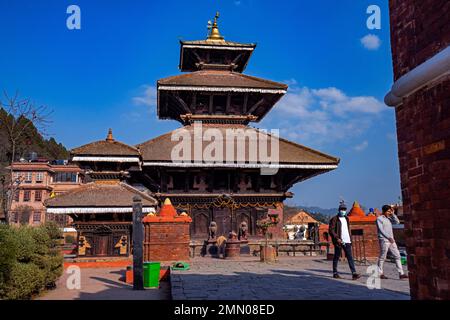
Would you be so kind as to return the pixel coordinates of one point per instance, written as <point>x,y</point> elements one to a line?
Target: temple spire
<point>109,137</point>
<point>214,33</point>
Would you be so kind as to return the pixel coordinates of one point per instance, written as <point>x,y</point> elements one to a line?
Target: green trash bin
<point>151,274</point>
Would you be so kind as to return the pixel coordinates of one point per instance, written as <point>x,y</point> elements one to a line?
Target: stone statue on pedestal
<point>243,231</point>
<point>212,230</point>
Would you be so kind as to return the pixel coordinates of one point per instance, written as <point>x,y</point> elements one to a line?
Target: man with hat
<point>339,229</point>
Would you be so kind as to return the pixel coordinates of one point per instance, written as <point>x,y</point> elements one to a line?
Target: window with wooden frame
<point>26,195</point>
<point>17,195</point>
<point>28,177</point>
<point>15,217</point>
<point>36,216</point>
<point>39,177</point>
<point>38,195</point>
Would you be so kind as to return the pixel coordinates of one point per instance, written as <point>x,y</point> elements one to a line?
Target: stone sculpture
<point>212,230</point>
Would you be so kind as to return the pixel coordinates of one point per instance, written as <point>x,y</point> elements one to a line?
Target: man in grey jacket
<point>387,242</point>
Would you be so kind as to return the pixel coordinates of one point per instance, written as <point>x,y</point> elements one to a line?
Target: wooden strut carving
<point>83,244</point>
<point>122,244</point>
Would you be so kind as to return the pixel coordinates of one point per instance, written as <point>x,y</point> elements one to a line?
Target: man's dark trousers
<point>348,253</point>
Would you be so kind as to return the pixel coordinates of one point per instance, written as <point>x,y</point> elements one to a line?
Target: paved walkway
<point>104,284</point>
<point>291,278</point>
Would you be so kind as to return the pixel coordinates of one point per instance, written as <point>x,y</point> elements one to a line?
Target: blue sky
<point>104,76</point>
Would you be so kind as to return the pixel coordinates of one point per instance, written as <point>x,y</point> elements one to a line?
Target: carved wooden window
<point>202,104</point>
<point>220,104</point>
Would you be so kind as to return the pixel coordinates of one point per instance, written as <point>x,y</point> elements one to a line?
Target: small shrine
<point>166,234</point>
<point>364,234</point>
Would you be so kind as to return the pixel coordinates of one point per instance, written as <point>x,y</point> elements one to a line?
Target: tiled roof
<point>220,78</point>
<point>100,195</point>
<point>106,148</point>
<point>301,217</point>
<point>159,148</point>
<point>219,43</point>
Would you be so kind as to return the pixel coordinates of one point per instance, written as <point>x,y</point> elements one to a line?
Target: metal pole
<point>138,235</point>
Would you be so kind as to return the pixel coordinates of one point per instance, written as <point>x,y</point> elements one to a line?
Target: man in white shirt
<point>339,231</point>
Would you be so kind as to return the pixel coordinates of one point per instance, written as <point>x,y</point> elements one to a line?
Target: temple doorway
<point>222,216</point>
<point>102,247</point>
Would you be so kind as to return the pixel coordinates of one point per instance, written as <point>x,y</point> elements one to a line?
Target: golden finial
<point>214,34</point>
<point>109,137</point>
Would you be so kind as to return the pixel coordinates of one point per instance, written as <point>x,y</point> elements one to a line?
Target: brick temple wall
<point>420,29</point>
<point>166,241</point>
<point>371,245</point>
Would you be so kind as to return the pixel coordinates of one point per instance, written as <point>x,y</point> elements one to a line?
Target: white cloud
<point>143,104</point>
<point>337,101</point>
<point>362,146</point>
<point>371,42</point>
<point>323,116</point>
<point>290,82</point>
<point>146,96</point>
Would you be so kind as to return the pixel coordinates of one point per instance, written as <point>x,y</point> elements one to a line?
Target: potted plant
<point>267,252</point>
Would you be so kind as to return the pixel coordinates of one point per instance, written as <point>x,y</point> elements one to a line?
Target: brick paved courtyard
<point>104,284</point>
<point>291,278</point>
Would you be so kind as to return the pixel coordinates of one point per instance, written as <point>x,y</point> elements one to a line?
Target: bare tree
<point>24,213</point>
<point>20,114</point>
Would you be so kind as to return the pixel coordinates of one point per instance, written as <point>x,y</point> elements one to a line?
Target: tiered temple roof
<point>96,197</point>
<point>291,155</point>
<point>214,52</point>
<point>106,150</point>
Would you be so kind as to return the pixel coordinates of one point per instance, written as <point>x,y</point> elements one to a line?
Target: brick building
<point>420,37</point>
<point>38,182</point>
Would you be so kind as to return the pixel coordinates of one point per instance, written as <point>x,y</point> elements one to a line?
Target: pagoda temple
<point>215,102</point>
<point>101,209</point>
<point>214,92</point>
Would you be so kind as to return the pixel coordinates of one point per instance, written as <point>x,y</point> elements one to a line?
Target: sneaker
<point>403,276</point>
<point>356,276</point>
<point>382,276</point>
<point>336,276</point>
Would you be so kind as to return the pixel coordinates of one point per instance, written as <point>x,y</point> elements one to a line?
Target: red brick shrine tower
<point>214,93</point>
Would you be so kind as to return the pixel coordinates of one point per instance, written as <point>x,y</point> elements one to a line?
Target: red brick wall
<point>168,241</point>
<point>419,29</point>
<point>371,245</point>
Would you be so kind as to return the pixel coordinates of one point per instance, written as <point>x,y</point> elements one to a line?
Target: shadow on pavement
<point>281,285</point>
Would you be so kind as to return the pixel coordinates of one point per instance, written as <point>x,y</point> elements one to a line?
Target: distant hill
<point>327,212</point>
<point>32,141</point>
<point>320,214</point>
